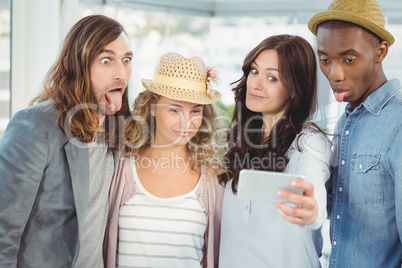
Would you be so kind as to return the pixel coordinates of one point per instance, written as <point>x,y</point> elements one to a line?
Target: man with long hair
<point>57,157</point>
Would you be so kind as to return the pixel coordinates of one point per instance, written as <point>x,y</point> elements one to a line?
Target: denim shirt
<point>365,202</point>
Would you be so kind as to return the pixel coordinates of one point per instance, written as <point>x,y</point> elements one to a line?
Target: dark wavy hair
<point>68,83</point>
<point>298,74</point>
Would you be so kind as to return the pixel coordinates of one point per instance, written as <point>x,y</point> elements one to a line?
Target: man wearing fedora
<point>365,192</point>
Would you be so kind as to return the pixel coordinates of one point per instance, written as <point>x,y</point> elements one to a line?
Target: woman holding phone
<point>270,130</point>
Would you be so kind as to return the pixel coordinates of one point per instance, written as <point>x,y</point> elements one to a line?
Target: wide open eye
<point>105,61</point>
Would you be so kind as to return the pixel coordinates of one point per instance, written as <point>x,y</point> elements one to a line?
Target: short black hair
<point>369,36</point>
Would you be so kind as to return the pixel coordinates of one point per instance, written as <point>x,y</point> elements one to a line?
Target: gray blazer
<point>44,184</point>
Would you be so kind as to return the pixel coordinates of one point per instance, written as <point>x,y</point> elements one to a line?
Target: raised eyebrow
<point>321,52</point>
<point>111,52</point>
<point>107,51</point>
<point>267,69</point>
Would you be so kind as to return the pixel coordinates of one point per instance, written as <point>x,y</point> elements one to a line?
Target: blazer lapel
<point>78,162</point>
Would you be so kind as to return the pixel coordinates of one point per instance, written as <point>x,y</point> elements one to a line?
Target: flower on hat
<point>212,76</point>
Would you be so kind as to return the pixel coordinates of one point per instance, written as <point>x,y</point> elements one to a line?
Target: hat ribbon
<point>179,82</point>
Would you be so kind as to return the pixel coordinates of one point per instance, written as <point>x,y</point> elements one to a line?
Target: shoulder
<point>37,123</point>
<point>397,99</point>
<point>391,94</point>
<point>314,142</point>
<point>44,113</point>
<point>210,181</point>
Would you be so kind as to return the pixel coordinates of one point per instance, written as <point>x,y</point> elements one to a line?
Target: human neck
<point>378,81</point>
<point>101,120</point>
<point>156,151</point>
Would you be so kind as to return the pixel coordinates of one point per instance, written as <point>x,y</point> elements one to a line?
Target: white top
<point>253,232</point>
<point>161,232</point>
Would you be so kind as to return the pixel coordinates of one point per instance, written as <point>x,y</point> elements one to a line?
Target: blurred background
<point>221,32</point>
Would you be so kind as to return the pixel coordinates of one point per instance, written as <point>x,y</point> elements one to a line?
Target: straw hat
<point>183,79</point>
<point>365,13</point>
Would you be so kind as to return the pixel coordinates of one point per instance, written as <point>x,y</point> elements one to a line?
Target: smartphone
<point>263,185</point>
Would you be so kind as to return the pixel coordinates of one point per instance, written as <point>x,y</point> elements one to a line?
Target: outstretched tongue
<point>340,96</point>
<point>114,100</point>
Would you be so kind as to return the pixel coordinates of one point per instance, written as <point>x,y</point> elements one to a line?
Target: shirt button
<point>334,243</point>
<point>343,162</point>
<point>340,189</point>
<point>338,217</point>
<point>347,132</point>
<point>360,166</point>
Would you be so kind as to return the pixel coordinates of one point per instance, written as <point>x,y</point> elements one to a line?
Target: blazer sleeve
<point>23,157</point>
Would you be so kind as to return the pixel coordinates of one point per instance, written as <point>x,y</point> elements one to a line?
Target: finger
<point>306,185</point>
<point>295,215</point>
<point>292,219</point>
<point>290,210</point>
<point>298,200</point>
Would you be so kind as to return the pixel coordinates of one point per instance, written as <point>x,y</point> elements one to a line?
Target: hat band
<point>179,82</point>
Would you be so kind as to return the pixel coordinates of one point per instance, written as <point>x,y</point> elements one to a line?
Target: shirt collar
<point>377,100</point>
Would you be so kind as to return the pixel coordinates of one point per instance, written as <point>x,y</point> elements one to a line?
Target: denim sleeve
<point>394,160</point>
<point>23,154</point>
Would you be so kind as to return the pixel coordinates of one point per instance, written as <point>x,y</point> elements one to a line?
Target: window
<point>4,64</point>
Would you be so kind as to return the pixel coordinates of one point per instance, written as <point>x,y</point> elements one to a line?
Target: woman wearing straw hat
<point>365,193</point>
<point>276,97</point>
<point>165,199</point>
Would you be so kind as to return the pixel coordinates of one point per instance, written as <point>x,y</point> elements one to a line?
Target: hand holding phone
<point>263,185</point>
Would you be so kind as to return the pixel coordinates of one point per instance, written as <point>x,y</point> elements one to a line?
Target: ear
<point>381,51</point>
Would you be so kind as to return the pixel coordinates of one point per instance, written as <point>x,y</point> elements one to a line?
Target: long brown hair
<point>298,74</point>
<point>68,82</point>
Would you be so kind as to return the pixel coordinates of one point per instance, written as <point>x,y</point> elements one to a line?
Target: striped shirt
<point>161,232</point>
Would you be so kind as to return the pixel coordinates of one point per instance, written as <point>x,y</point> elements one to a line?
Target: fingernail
<point>279,192</point>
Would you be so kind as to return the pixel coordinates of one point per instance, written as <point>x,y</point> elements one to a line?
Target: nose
<point>184,119</point>
<point>336,73</point>
<point>187,120</point>
<point>254,81</point>
<point>120,71</point>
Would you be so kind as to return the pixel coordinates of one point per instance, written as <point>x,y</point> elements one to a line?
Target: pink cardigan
<point>123,188</point>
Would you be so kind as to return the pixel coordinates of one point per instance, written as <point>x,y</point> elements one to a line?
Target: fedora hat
<point>365,13</point>
<point>183,79</point>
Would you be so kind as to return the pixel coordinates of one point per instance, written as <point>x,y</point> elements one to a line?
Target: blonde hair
<point>200,147</point>
<point>68,82</point>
